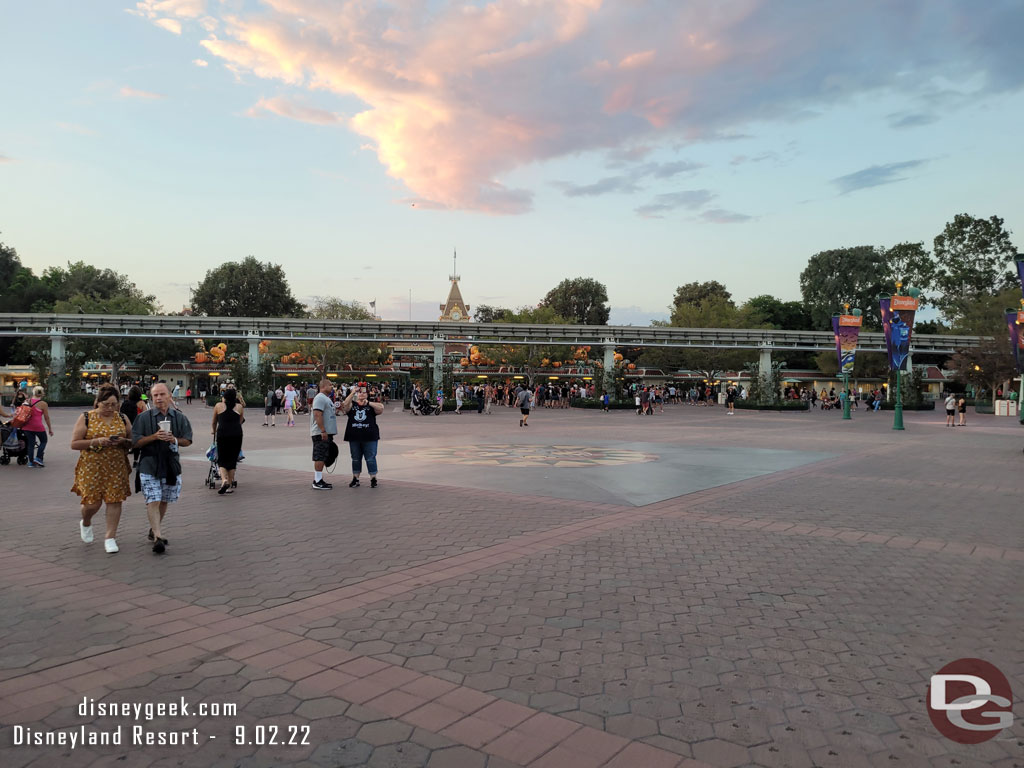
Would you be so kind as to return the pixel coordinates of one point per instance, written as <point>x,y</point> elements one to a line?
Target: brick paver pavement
<point>791,619</point>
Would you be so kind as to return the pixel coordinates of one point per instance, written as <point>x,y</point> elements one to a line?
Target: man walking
<point>269,417</point>
<point>523,401</point>
<point>323,426</point>
<point>158,434</point>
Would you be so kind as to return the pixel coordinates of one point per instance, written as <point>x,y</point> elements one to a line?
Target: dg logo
<point>969,701</point>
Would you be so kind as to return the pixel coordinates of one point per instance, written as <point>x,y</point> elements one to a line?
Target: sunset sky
<point>646,143</point>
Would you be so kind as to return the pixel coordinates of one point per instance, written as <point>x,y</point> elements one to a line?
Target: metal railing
<point>295,329</point>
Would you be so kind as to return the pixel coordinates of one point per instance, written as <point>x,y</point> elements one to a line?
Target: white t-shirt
<point>289,397</point>
<point>950,403</point>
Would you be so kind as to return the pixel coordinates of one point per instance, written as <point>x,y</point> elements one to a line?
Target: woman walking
<point>362,433</point>
<point>103,436</point>
<point>290,393</point>
<point>228,416</point>
<point>34,430</point>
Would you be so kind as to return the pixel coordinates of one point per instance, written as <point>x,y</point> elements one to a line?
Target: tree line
<point>968,276</point>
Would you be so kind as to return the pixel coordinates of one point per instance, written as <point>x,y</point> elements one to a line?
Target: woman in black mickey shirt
<point>362,433</point>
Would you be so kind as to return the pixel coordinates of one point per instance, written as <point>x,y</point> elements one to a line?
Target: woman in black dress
<point>228,416</point>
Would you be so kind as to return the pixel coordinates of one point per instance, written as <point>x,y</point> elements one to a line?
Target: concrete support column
<point>608,380</point>
<point>764,364</point>
<point>58,364</point>
<point>254,352</point>
<point>438,361</point>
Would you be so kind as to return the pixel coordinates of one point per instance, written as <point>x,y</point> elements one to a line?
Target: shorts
<point>268,410</point>
<point>524,411</point>
<point>321,448</point>
<point>950,411</point>
<point>155,489</point>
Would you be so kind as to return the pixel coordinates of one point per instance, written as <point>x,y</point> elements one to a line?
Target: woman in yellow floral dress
<point>103,436</point>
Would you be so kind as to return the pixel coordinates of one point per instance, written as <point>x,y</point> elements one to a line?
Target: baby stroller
<point>12,444</point>
<point>213,476</point>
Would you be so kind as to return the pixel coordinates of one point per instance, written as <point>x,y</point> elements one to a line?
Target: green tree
<point>529,356</point>
<point>694,293</point>
<point>973,259</point>
<point>485,313</point>
<point>784,315</point>
<point>987,365</point>
<point>581,300</point>
<point>120,351</point>
<point>715,311</point>
<point>910,264</point>
<point>331,354</point>
<point>248,288</point>
<point>845,275</point>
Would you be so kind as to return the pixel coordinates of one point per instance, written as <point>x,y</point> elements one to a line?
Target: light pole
<point>846,327</point>
<point>898,313</point>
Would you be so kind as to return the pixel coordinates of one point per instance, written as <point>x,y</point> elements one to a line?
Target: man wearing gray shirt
<point>323,426</point>
<point>158,434</point>
<point>523,401</point>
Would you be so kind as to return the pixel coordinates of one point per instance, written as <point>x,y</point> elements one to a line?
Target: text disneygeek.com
<point>139,734</point>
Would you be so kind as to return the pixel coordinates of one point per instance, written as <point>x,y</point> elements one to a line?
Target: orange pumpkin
<point>200,357</point>
<point>618,357</point>
<point>286,359</point>
<point>631,366</point>
<point>556,364</point>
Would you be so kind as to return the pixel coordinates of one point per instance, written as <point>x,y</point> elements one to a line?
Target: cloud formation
<point>458,94</point>
<point>283,107</point>
<point>628,182</point>
<point>722,216</point>
<point>5,159</point>
<point>875,176</point>
<point>134,93</point>
<point>690,199</point>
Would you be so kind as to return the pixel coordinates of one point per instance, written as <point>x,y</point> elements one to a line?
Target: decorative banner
<point>1020,274</point>
<point>846,329</point>
<point>898,324</point>
<point>1014,320</point>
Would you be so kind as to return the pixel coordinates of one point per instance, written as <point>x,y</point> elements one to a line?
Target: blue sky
<point>646,144</point>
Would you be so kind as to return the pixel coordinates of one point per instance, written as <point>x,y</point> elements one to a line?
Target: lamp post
<point>898,313</point>
<point>846,327</point>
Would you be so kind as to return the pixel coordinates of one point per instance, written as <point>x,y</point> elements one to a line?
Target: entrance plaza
<point>592,590</point>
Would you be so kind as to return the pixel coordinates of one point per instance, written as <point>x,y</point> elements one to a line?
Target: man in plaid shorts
<point>158,434</point>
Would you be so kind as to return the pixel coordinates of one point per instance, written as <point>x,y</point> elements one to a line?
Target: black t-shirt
<point>130,409</point>
<point>362,424</point>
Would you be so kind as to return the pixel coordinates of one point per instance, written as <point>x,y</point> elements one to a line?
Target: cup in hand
<point>165,425</point>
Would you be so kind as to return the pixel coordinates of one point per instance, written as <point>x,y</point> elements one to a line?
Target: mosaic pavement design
<point>563,456</point>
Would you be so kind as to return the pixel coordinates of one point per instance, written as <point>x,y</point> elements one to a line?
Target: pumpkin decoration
<point>631,366</point>
<point>556,364</point>
<point>618,357</point>
<point>545,363</point>
<point>200,357</point>
<point>464,362</point>
<point>286,359</point>
<point>264,346</point>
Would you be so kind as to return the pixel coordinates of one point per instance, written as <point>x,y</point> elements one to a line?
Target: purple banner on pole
<point>1013,323</point>
<point>898,325</point>
<point>1020,274</point>
<point>847,330</point>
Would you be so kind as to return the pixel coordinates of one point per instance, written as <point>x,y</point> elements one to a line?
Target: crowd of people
<point>128,428</point>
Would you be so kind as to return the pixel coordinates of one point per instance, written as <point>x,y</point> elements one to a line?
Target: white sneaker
<point>86,532</point>
<point>110,545</point>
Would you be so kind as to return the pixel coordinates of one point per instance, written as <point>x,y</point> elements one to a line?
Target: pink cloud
<point>457,95</point>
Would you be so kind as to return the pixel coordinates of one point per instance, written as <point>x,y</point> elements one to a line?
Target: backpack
<point>22,415</point>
